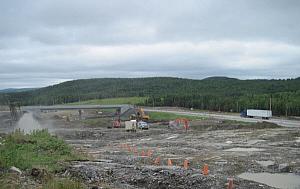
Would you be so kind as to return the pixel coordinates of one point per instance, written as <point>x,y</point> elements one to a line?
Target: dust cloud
<point>27,123</point>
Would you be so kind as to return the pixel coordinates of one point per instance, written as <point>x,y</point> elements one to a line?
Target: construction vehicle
<point>131,126</point>
<point>116,123</point>
<point>185,122</point>
<point>178,123</point>
<point>139,115</point>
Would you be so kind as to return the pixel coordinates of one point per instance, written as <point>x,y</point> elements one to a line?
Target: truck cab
<point>243,113</point>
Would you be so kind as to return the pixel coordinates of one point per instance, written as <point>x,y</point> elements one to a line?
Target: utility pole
<point>153,102</point>
<point>271,103</point>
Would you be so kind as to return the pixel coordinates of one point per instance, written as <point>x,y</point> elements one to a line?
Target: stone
<point>15,170</point>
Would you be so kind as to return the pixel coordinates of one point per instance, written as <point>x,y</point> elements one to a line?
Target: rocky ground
<point>127,160</point>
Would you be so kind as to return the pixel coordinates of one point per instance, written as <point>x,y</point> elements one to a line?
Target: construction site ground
<point>120,159</point>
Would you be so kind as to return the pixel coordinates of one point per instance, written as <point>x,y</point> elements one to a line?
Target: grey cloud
<point>56,40</point>
<point>105,21</point>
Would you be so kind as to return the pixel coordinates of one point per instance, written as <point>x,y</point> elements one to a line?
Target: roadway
<point>276,120</point>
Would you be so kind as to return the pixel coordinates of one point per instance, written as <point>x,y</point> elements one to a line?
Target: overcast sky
<point>44,42</point>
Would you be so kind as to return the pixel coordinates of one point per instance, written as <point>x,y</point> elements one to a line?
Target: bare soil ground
<point>120,159</point>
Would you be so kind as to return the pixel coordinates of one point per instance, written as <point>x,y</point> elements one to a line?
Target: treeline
<point>286,103</point>
<point>217,93</point>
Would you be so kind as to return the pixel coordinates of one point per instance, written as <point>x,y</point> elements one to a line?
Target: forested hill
<point>12,90</point>
<point>214,93</point>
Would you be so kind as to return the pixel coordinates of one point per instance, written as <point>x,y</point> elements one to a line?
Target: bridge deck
<point>123,107</point>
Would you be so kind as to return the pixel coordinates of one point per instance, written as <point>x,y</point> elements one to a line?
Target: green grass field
<point>38,149</point>
<point>164,116</point>
<point>97,122</point>
<point>106,101</point>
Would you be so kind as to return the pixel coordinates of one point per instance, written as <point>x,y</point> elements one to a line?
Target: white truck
<point>130,125</point>
<point>264,114</point>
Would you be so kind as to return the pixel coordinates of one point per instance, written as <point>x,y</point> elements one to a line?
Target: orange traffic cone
<point>149,153</point>
<point>143,153</point>
<point>157,161</point>
<point>186,164</point>
<point>205,170</point>
<point>170,162</point>
<point>135,151</point>
<point>230,183</point>
<point>128,148</point>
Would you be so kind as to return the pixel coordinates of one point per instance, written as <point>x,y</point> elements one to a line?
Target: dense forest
<point>215,93</point>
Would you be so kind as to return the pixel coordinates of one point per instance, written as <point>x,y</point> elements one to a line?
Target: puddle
<point>27,123</point>
<point>104,160</point>
<point>266,163</point>
<point>221,162</point>
<point>87,145</point>
<point>251,142</point>
<point>145,139</point>
<point>279,180</point>
<point>244,150</point>
<point>171,137</point>
<point>244,133</point>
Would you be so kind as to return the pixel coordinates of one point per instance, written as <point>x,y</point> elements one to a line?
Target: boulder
<point>15,170</point>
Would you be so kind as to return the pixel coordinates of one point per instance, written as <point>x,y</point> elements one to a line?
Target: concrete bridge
<point>123,108</point>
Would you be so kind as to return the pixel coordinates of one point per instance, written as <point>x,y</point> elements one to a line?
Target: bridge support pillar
<point>80,114</point>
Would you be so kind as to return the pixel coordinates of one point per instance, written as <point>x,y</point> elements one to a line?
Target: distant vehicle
<point>179,123</point>
<point>251,113</point>
<point>143,125</point>
<point>130,126</point>
<point>139,115</point>
<point>116,124</point>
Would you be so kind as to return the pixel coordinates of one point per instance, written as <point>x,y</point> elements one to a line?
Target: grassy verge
<point>236,122</point>
<point>38,149</point>
<point>97,122</point>
<point>165,116</point>
<point>106,101</point>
